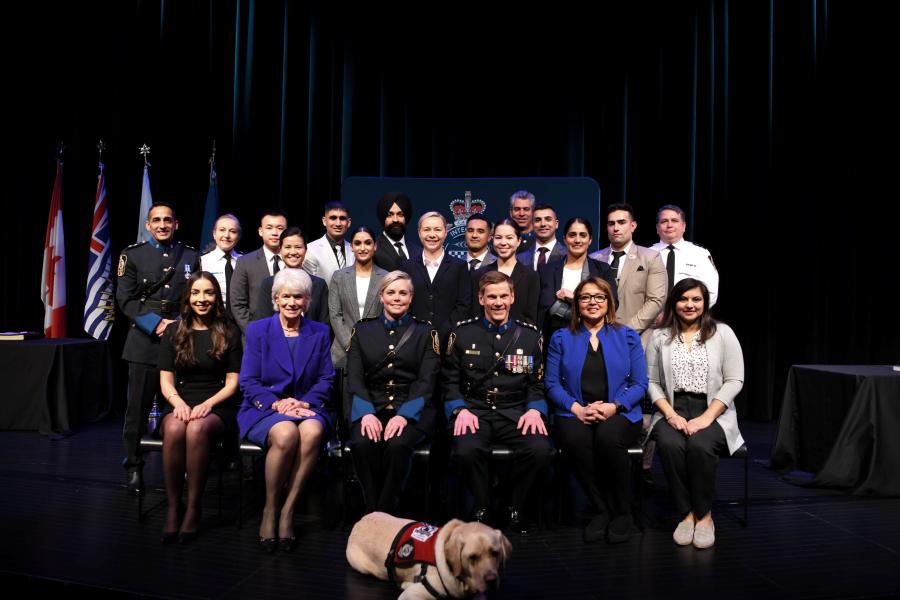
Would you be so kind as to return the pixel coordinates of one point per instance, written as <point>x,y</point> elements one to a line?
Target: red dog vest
<point>413,545</point>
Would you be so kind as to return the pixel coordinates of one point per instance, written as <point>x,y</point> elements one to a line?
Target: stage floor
<point>68,526</point>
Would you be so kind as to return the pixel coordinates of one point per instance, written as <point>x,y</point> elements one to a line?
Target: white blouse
<point>362,290</point>
<point>690,368</point>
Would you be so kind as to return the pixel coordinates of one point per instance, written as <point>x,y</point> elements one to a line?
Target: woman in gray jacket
<point>696,368</point>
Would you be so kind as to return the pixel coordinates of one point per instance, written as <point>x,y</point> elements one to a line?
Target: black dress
<point>197,383</point>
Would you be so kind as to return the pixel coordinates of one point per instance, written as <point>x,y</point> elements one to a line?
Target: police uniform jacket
<point>382,376</point>
<point>150,286</point>
<point>489,369</point>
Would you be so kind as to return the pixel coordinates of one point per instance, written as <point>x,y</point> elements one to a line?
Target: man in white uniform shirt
<point>681,258</point>
<point>222,260</point>
<point>330,252</point>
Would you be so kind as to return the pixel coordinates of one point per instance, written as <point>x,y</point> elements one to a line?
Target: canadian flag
<point>53,278</point>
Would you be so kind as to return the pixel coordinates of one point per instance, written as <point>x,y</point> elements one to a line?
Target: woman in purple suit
<point>286,378</point>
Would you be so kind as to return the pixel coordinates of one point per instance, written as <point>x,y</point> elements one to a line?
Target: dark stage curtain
<point>767,121</point>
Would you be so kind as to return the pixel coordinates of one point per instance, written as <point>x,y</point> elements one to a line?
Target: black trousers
<point>382,467</point>
<point>143,386</point>
<point>598,454</point>
<point>471,453</point>
<point>690,462</point>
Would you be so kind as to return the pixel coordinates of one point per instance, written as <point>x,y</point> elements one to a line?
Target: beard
<point>395,231</point>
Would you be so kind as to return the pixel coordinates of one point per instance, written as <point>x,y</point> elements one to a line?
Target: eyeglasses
<point>598,298</point>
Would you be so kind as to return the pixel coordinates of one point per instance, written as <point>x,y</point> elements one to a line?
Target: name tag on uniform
<point>473,352</point>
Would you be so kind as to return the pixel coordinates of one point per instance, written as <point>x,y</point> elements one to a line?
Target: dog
<point>466,556</point>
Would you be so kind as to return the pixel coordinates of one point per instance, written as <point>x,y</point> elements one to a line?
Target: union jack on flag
<point>99,307</point>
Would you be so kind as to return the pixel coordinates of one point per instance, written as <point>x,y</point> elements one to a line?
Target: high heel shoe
<point>287,544</point>
<point>169,537</point>
<point>268,545</point>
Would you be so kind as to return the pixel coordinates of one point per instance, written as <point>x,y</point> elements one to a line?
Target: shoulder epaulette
<point>134,245</point>
<point>188,246</point>
<point>528,325</point>
<point>466,322</point>
<point>423,321</point>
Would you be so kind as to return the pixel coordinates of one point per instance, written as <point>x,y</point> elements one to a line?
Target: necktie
<point>473,264</point>
<point>275,267</point>
<point>542,256</point>
<point>614,265</point>
<point>670,265</point>
<point>229,271</point>
<point>400,251</point>
<point>339,253</point>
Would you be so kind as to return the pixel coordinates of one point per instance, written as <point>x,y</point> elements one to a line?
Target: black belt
<point>498,398</point>
<point>167,306</point>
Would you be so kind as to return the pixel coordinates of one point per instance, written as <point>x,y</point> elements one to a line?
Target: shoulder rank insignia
<point>527,324</point>
<point>435,342</point>
<point>466,322</point>
<point>450,340</point>
<point>423,321</point>
<point>123,260</point>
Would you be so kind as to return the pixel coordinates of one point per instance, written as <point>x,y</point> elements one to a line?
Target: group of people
<point>527,338</point>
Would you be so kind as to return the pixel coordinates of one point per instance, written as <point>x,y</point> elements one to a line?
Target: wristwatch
<point>620,408</point>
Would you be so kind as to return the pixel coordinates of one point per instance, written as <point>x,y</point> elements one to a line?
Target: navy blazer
<point>444,301</point>
<point>270,371</point>
<point>386,255</point>
<point>626,368</point>
<point>551,276</point>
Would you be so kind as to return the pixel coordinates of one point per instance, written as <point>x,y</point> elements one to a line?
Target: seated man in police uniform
<point>494,394</point>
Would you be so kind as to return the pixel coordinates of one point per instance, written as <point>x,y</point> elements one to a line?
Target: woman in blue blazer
<point>596,377</point>
<point>286,378</point>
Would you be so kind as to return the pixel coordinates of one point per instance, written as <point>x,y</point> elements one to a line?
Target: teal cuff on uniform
<point>412,409</point>
<point>147,322</point>
<point>360,408</point>
<point>451,405</point>
<point>538,405</point>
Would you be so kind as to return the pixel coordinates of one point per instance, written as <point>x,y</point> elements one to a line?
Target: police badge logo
<point>406,550</point>
<point>462,209</point>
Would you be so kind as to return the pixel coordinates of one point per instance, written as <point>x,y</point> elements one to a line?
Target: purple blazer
<point>270,372</point>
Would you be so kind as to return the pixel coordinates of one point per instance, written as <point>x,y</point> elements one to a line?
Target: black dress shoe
<point>134,483</point>
<point>480,515</point>
<point>287,544</point>
<point>619,529</point>
<point>596,529</point>
<point>517,523</point>
<point>268,545</point>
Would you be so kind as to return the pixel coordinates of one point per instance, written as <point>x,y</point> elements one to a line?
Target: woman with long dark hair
<point>696,369</point>
<point>199,362</point>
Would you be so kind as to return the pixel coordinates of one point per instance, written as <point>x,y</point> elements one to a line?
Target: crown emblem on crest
<point>463,208</point>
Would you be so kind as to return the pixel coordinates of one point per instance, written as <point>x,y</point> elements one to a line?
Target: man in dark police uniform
<point>150,286</point>
<point>494,393</point>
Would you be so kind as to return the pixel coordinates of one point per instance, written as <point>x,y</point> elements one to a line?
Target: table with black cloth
<point>842,423</point>
<point>54,385</point>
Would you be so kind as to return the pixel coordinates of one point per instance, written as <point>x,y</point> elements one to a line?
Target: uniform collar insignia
<point>498,328</point>
<point>394,324</point>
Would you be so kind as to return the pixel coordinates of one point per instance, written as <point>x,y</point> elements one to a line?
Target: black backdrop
<point>768,121</point>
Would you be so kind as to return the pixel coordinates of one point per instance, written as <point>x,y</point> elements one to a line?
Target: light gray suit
<point>642,287</point>
<point>724,381</point>
<point>244,295</point>
<point>321,261</point>
<point>343,307</point>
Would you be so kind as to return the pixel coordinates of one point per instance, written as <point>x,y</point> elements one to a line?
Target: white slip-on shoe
<point>684,533</point>
<point>704,536</point>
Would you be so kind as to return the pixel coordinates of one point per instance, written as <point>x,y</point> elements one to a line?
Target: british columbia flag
<point>99,307</point>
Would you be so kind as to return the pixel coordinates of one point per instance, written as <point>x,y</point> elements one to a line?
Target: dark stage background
<point>768,121</point>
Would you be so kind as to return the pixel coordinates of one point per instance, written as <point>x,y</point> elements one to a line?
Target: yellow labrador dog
<point>458,560</point>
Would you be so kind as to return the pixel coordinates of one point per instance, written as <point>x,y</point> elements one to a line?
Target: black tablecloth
<point>54,385</point>
<point>842,423</point>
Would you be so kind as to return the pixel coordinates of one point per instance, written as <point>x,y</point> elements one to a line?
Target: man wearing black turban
<point>395,211</point>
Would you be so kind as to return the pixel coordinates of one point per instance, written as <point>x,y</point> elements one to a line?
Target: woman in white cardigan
<point>696,368</point>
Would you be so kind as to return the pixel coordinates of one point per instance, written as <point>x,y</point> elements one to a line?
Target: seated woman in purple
<point>286,379</point>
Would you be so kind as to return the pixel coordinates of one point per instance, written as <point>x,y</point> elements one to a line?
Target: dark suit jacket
<point>270,371</point>
<point>318,300</point>
<point>527,288</point>
<point>444,301</point>
<point>527,256</point>
<point>551,281</point>
<point>244,296</point>
<point>386,255</point>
